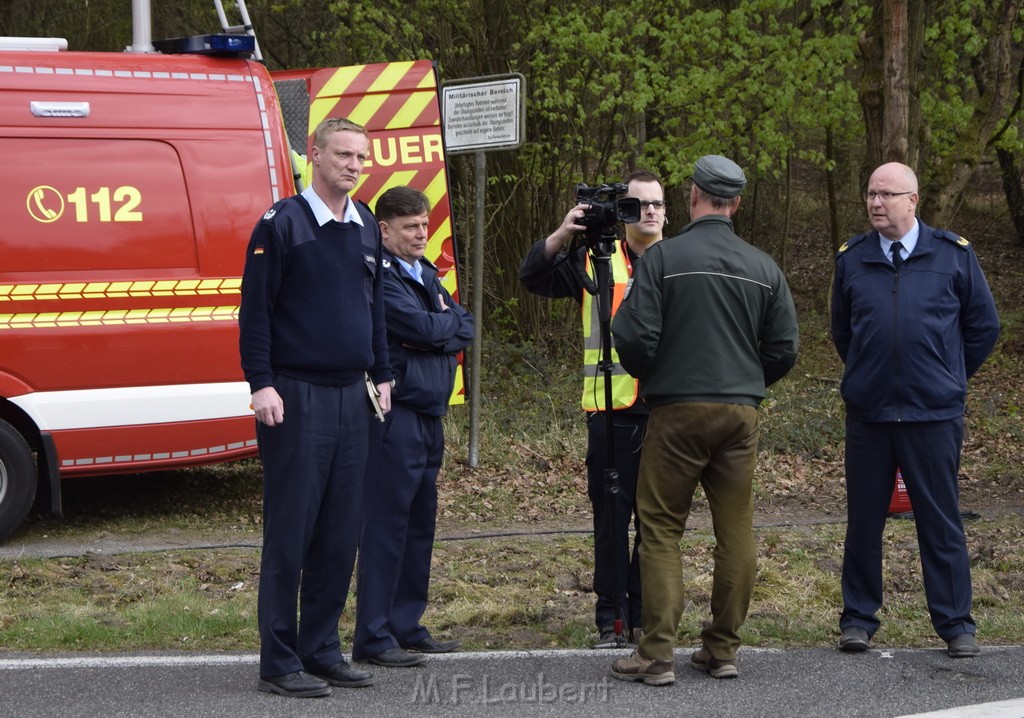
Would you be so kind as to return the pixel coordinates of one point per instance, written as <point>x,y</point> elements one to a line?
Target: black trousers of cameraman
<point>628,434</point>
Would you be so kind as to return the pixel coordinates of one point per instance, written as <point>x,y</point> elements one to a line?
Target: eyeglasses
<point>656,203</point>
<point>886,197</point>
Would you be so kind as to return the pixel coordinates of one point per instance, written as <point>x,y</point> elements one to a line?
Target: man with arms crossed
<point>426,329</point>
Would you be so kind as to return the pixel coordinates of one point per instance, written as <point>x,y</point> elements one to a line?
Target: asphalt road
<point>822,683</point>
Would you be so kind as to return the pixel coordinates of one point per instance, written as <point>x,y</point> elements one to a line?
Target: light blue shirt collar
<point>909,241</point>
<point>323,214</point>
<point>415,270</point>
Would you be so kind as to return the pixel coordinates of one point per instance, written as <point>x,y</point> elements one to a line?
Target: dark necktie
<point>897,260</point>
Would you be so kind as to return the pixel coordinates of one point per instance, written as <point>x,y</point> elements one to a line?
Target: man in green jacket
<point>706,326</point>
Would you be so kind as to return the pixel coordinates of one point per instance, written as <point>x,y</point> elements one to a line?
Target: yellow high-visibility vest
<point>624,387</point>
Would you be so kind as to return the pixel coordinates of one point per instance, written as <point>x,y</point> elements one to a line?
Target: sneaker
<point>854,640</point>
<point>964,646</point>
<point>635,634</point>
<point>637,668</point>
<point>608,639</point>
<point>702,661</point>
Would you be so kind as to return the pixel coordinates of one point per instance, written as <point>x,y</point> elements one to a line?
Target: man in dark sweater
<point>311,326</point>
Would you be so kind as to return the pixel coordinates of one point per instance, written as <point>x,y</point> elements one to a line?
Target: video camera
<point>607,208</point>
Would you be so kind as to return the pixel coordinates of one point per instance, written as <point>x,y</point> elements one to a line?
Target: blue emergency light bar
<point>220,44</point>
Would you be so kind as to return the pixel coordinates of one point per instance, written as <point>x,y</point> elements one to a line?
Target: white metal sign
<point>484,115</point>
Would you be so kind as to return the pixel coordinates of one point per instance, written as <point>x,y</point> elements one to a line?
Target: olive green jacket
<point>707,318</point>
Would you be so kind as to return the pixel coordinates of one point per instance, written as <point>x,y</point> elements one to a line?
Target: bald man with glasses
<point>912,319</point>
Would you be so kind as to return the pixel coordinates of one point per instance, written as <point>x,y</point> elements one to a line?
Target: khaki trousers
<point>687,444</point>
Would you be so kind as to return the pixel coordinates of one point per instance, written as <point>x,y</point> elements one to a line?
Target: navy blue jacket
<point>910,340</point>
<point>312,305</point>
<point>422,339</point>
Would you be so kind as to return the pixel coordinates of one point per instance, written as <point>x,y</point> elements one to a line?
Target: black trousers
<point>612,544</point>
<point>313,465</point>
<point>928,455</point>
<point>398,533</point>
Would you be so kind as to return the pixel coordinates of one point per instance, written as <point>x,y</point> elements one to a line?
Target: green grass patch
<point>516,592</point>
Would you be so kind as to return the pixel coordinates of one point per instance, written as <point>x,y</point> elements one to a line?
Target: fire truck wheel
<point>17,479</point>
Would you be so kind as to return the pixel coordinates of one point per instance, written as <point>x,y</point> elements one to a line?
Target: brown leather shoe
<point>716,668</point>
<point>637,668</point>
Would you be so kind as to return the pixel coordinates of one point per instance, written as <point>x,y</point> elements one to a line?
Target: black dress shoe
<point>432,645</point>
<point>395,658</point>
<point>964,646</point>
<point>343,675</point>
<point>295,685</point>
<point>854,640</point>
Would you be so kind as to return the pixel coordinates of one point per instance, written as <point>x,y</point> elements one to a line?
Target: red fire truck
<point>132,182</point>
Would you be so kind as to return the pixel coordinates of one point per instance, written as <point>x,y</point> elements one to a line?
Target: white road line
<point>8,664</point>
<point>245,659</point>
<point>214,659</point>
<point>999,709</point>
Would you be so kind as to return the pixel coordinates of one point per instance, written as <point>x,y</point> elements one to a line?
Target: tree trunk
<point>835,231</point>
<point>1014,190</point>
<point>917,131</point>
<point>896,91</point>
<point>997,78</point>
<point>788,215</point>
<point>872,101</point>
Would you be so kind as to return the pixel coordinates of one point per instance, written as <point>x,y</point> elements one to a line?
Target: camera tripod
<point>600,249</point>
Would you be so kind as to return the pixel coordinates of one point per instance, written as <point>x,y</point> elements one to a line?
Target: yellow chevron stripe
<point>411,109</point>
<point>367,107</point>
<point>449,282</point>
<point>95,290</point>
<point>437,238</point>
<point>320,110</point>
<point>340,81</point>
<point>437,189</point>
<point>392,75</point>
<point>458,391</point>
<point>429,81</point>
<point>45,320</point>
<point>395,179</point>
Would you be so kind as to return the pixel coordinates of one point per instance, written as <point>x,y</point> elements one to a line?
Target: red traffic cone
<point>900,502</point>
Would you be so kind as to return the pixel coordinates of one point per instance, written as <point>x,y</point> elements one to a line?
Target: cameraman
<point>550,270</point>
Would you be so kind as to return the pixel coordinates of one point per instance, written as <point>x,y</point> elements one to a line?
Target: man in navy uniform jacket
<point>912,320</point>
<point>426,330</point>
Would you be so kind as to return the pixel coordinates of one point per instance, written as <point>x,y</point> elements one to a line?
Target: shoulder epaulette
<point>953,237</point>
<point>276,208</point>
<point>850,242</point>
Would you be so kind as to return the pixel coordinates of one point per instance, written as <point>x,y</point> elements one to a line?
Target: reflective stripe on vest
<point>624,387</point>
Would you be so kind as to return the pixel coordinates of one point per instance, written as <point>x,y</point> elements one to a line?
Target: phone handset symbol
<point>39,197</point>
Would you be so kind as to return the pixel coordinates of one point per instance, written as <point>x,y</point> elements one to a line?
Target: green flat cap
<point>719,176</point>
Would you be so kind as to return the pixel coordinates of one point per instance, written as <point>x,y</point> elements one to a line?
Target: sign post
<point>481,114</point>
